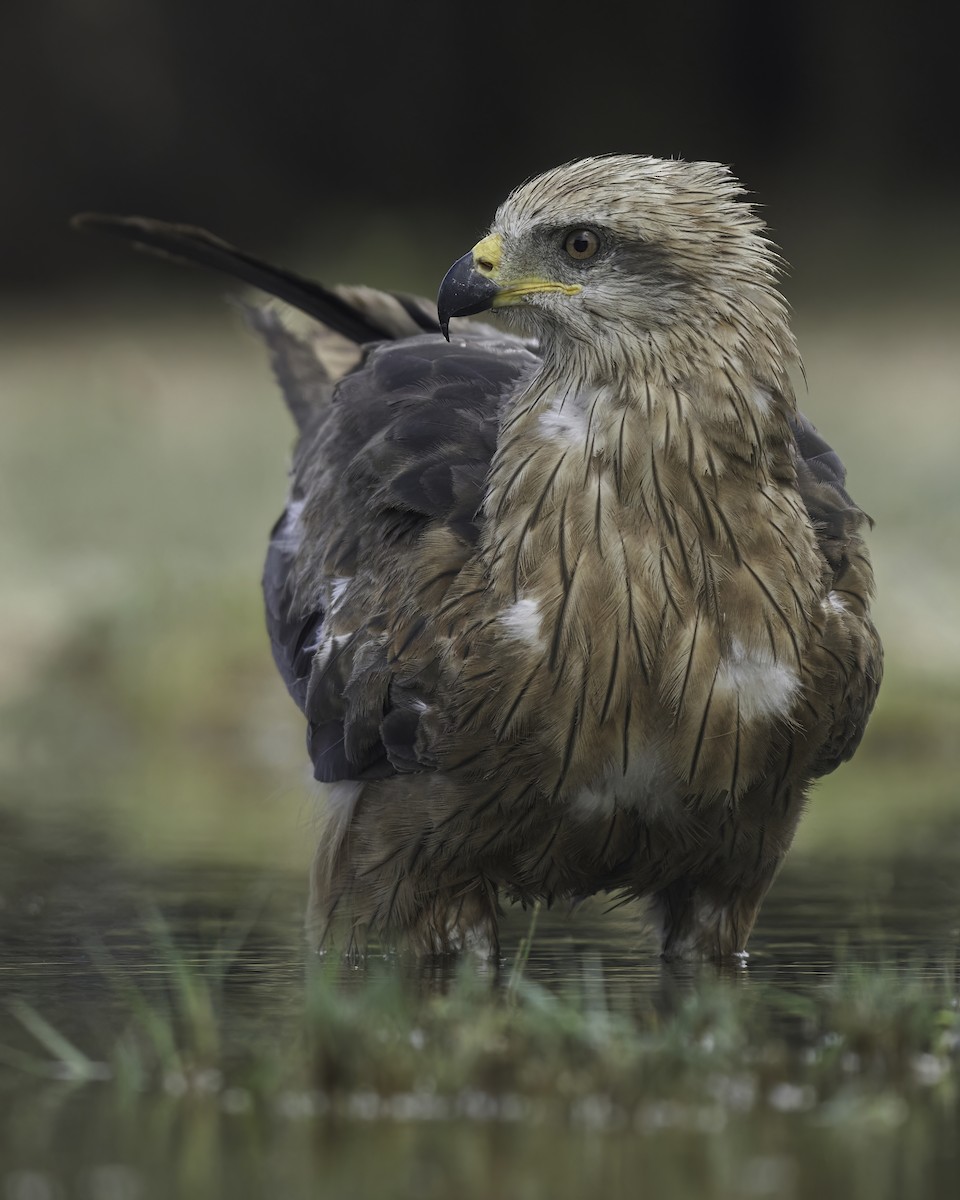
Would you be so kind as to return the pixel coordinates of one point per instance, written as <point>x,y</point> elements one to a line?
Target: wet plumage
<point>578,607</point>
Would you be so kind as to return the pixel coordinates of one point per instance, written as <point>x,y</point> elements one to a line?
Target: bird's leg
<point>706,919</point>
<point>464,921</point>
<point>394,900</point>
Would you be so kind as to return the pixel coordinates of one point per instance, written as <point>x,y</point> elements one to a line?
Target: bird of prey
<point>578,604</point>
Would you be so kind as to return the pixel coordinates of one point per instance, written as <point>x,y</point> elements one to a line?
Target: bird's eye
<point>581,244</point>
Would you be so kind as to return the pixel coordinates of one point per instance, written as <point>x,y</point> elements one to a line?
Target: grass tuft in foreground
<point>372,1043</point>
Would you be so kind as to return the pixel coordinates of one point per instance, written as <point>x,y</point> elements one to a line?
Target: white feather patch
<point>834,603</point>
<point>649,785</point>
<point>762,400</point>
<point>289,534</point>
<point>337,587</point>
<point>522,620</point>
<point>765,688</point>
<point>563,420</point>
<point>343,796</point>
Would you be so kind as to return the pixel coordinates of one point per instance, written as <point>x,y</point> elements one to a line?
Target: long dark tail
<point>187,243</point>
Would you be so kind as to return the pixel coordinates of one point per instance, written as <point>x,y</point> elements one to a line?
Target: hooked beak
<point>464,291</point>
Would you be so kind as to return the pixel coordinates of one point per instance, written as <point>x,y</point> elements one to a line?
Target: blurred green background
<point>143,443</point>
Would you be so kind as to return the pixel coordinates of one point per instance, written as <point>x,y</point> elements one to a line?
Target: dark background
<point>291,126</point>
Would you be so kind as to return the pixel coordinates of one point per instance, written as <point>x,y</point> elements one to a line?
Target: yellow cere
<point>487,254</point>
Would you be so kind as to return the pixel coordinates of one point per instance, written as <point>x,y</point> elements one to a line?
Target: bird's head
<point>615,248</point>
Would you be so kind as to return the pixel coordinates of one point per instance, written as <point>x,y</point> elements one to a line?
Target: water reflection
<point>64,898</point>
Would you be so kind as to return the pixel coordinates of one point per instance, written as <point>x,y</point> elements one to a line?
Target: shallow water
<point>67,900</point>
<point>59,901</point>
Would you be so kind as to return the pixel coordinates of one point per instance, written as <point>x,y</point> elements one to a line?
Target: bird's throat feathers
<point>648,446</point>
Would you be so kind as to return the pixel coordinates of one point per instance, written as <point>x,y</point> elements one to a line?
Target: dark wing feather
<point>838,522</point>
<point>388,483</point>
<point>821,479</point>
<point>293,633</point>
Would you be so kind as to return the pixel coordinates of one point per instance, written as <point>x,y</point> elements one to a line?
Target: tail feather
<point>187,243</point>
<point>298,368</point>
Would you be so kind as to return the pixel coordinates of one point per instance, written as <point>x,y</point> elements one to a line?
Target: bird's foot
<point>695,922</point>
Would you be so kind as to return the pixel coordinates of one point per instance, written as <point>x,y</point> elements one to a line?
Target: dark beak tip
<point>463,292</point>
